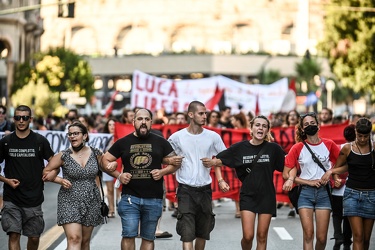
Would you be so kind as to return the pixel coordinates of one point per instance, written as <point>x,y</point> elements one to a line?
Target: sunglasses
<point>313,114</point>
<point>23,117</point>
<point>2,113</point>
<point>74,134</point>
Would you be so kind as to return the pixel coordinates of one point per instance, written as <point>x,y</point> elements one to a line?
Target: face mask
<point>311,130</point>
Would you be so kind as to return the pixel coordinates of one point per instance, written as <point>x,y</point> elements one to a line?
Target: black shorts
<point>195,218</point>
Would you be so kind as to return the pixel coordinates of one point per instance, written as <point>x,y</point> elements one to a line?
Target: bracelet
<point>220,181</point>
<point>118,177</point>
<point>291,180</point>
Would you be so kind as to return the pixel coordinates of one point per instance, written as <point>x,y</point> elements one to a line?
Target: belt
<point>201,188</point>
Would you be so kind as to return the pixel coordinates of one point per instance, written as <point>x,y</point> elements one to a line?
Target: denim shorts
<point>143,212</point>
<point>314,198</point>
<point>359,203</point>
<point>27,221</point>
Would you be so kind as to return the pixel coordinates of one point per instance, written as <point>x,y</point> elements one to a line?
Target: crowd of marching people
<point>331,178</point>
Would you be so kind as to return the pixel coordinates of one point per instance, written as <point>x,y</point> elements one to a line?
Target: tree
<point>350,44</point>
<point>59,70</point>
<point>269,76</point>
<point>306,70</point>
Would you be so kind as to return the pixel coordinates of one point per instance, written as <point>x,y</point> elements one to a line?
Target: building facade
<point>20,33</point>
<point>171,38</point>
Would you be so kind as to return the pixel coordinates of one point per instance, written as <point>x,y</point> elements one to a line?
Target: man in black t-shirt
<point>24,152</point>
<point>142,154</point>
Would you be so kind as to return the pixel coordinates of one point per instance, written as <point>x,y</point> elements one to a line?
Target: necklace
<point>358,147</point>
<point>79,150</point>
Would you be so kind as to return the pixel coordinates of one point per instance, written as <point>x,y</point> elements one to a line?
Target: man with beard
<point>142,154</point>
<point>326,117</point>
<point>24,153</point>
<point>195,219</point>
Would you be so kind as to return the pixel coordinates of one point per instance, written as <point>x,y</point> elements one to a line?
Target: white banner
<point>155,93</point>
<point>59,141</point>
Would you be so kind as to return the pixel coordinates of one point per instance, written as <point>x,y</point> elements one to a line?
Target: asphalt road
<point>284,233</point>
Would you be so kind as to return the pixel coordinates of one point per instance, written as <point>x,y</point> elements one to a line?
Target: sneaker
<point>174,214</point>
<point>292,214</point>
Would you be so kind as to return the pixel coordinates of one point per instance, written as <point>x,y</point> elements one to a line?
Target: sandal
<point>111,215</point>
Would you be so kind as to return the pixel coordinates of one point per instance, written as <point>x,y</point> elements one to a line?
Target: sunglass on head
<point>313,114</point>
<point>23,117</point>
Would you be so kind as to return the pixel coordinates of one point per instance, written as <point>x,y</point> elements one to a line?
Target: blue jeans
<point>141,212</point>
<point>314,198</point>
<point>359,203</point>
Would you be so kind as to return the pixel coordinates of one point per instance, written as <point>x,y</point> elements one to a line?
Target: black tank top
<point>361,171</point>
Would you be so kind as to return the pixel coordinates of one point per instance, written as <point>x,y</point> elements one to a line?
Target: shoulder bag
<point>294,195</point>
<point>317,161</point>
<point>104,210</point>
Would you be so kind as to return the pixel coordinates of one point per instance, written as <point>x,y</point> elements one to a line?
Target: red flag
<point>292,85</point>
<point>257,110</point>
<point>210,104</point>
<point>108,112</point>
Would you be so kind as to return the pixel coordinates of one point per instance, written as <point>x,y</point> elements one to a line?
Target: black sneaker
<point>174,214</point>
<point>292,214</point>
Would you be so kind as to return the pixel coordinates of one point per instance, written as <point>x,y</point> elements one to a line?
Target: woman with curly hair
<point>314,196</point>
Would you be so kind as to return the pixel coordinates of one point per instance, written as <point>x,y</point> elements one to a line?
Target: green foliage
<point>60,69</point>
<point>37,96</point>
<point>306,70</point>
<point>350,45</point>
<point>269,76</point>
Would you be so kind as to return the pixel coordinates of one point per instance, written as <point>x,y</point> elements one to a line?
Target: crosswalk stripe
<point>49,237</point>
<point>283,233</point>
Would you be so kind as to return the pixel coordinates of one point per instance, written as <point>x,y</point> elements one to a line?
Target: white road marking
<point>49,237</point>
<point>282,233</point>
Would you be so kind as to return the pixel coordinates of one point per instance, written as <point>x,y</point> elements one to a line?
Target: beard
<point>140,134</point>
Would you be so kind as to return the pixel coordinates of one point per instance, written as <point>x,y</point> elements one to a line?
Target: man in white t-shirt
<point>195,219</point>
